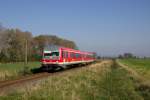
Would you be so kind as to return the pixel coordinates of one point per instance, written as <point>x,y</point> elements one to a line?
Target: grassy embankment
<point>105,81</point>
<point>14,70</point>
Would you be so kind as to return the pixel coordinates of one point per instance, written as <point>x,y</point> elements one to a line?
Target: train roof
<point>56,48</point>
<point>77,51</point>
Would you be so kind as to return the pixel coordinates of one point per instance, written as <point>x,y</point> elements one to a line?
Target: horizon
<point>108,27</point>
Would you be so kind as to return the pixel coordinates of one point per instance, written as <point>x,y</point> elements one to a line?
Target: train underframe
<point>55,67</point>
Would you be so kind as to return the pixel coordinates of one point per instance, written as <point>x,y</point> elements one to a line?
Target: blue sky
<point>108,27</point>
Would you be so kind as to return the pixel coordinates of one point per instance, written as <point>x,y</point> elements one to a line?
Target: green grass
<point>142,66</point>
<point>137,62</point>
<point>118,86</point>
<point>13,70</point>
<point>98,82</point>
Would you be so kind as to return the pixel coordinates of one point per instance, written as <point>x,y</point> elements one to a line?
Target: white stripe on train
<point>68,63</point>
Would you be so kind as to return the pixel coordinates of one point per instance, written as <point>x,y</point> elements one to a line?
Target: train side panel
<point>65,57</point>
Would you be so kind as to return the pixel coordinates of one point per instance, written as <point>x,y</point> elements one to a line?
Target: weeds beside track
<point>32,77</point>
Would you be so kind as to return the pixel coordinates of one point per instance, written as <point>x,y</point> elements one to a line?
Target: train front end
<point>50,59</point>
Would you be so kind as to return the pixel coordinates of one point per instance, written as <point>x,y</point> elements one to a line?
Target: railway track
<point>7,83</point>
<point>34,77</point>
<point>9,86</point>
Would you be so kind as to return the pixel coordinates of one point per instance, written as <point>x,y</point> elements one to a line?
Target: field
<point>104,80</point>
<point>14,70</point>
<point>139,69</point>
<point>141,66</point>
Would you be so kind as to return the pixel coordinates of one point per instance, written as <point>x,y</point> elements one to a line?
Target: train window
<point>72,55</point>
<point>82,55</point>
<point>55,54</point>
<point>76,55</point>
<point>79,55</point>
<point>52,55</point>
<point>47,55</point>
<point>64,54</point>
<point>89,56</point>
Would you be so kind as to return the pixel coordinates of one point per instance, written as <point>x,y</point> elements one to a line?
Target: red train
<point>60,57</point>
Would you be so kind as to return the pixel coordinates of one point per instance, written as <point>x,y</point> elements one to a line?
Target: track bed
<point>10,85</point>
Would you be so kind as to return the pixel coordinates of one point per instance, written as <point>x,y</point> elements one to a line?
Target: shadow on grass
<point>36,70</point>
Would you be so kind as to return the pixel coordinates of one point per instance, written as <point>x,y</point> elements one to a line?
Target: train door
<point>65,56</point>
<point>71,56</point>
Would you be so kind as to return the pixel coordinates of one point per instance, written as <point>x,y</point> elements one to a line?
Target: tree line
<point>13,42</point>
<point>127,55</point>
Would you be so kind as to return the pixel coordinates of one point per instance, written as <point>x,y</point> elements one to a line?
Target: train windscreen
<point>52,55</point>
